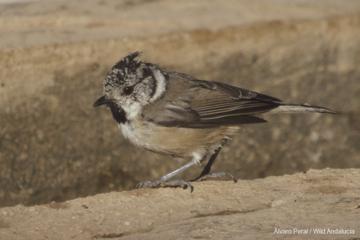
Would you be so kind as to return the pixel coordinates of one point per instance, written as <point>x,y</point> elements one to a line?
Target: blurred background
<point>54,55</point>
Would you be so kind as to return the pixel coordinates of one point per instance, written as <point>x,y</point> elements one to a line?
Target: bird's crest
<point>129,61</point>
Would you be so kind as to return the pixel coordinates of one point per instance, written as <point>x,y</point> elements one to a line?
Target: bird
<point>178,115</point>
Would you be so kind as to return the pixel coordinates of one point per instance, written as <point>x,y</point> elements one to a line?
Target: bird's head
<point>132,84</point>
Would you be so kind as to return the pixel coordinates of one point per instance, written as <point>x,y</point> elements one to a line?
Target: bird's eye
<point>128,90</point>
<point>147,72</point>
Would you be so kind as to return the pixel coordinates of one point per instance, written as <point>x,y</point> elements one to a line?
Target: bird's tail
<point>301,108</point>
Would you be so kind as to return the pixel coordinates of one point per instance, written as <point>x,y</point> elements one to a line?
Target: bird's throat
<point>118,113</point>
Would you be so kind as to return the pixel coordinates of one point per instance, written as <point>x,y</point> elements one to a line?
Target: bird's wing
<point>201,104</point>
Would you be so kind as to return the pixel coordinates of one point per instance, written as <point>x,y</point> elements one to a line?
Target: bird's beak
<point>101,101</point>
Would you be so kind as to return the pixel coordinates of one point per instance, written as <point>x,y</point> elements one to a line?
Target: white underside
<point>131,134</point>
<point>132,109</point>
<point>136,137</point>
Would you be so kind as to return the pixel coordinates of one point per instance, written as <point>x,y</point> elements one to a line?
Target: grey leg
<point>181,169</point>
<point>165,181</point>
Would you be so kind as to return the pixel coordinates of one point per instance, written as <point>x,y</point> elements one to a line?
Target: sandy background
<point>54,55</point>
<point>66,171</point>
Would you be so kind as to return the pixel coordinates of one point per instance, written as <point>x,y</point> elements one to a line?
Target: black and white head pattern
<point>132,84</point>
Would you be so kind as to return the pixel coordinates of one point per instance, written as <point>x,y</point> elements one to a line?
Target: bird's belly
<point>182,142</point>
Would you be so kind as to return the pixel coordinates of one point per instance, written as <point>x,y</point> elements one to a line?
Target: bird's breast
<point>172,140</point>
<point>133,133</point>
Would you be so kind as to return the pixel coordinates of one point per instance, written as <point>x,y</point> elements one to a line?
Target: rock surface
<point>54,55</point>
<point>249,209</point>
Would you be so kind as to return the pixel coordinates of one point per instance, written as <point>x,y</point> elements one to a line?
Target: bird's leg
<point>205,174</point>
<point>181,169</point>
<point>206,170</point>
<point>165,181</point>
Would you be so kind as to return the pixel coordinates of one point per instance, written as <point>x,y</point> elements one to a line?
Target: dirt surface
<point>54,55</point>
<point>252,209</point>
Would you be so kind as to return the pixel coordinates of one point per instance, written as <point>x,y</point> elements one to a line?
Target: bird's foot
<point>172,183</point>
<point>216,176</point>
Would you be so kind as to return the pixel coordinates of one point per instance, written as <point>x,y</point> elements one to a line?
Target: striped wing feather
<point>203,104</point>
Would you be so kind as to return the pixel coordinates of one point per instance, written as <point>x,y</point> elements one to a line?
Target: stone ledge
<point>249,209</point>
